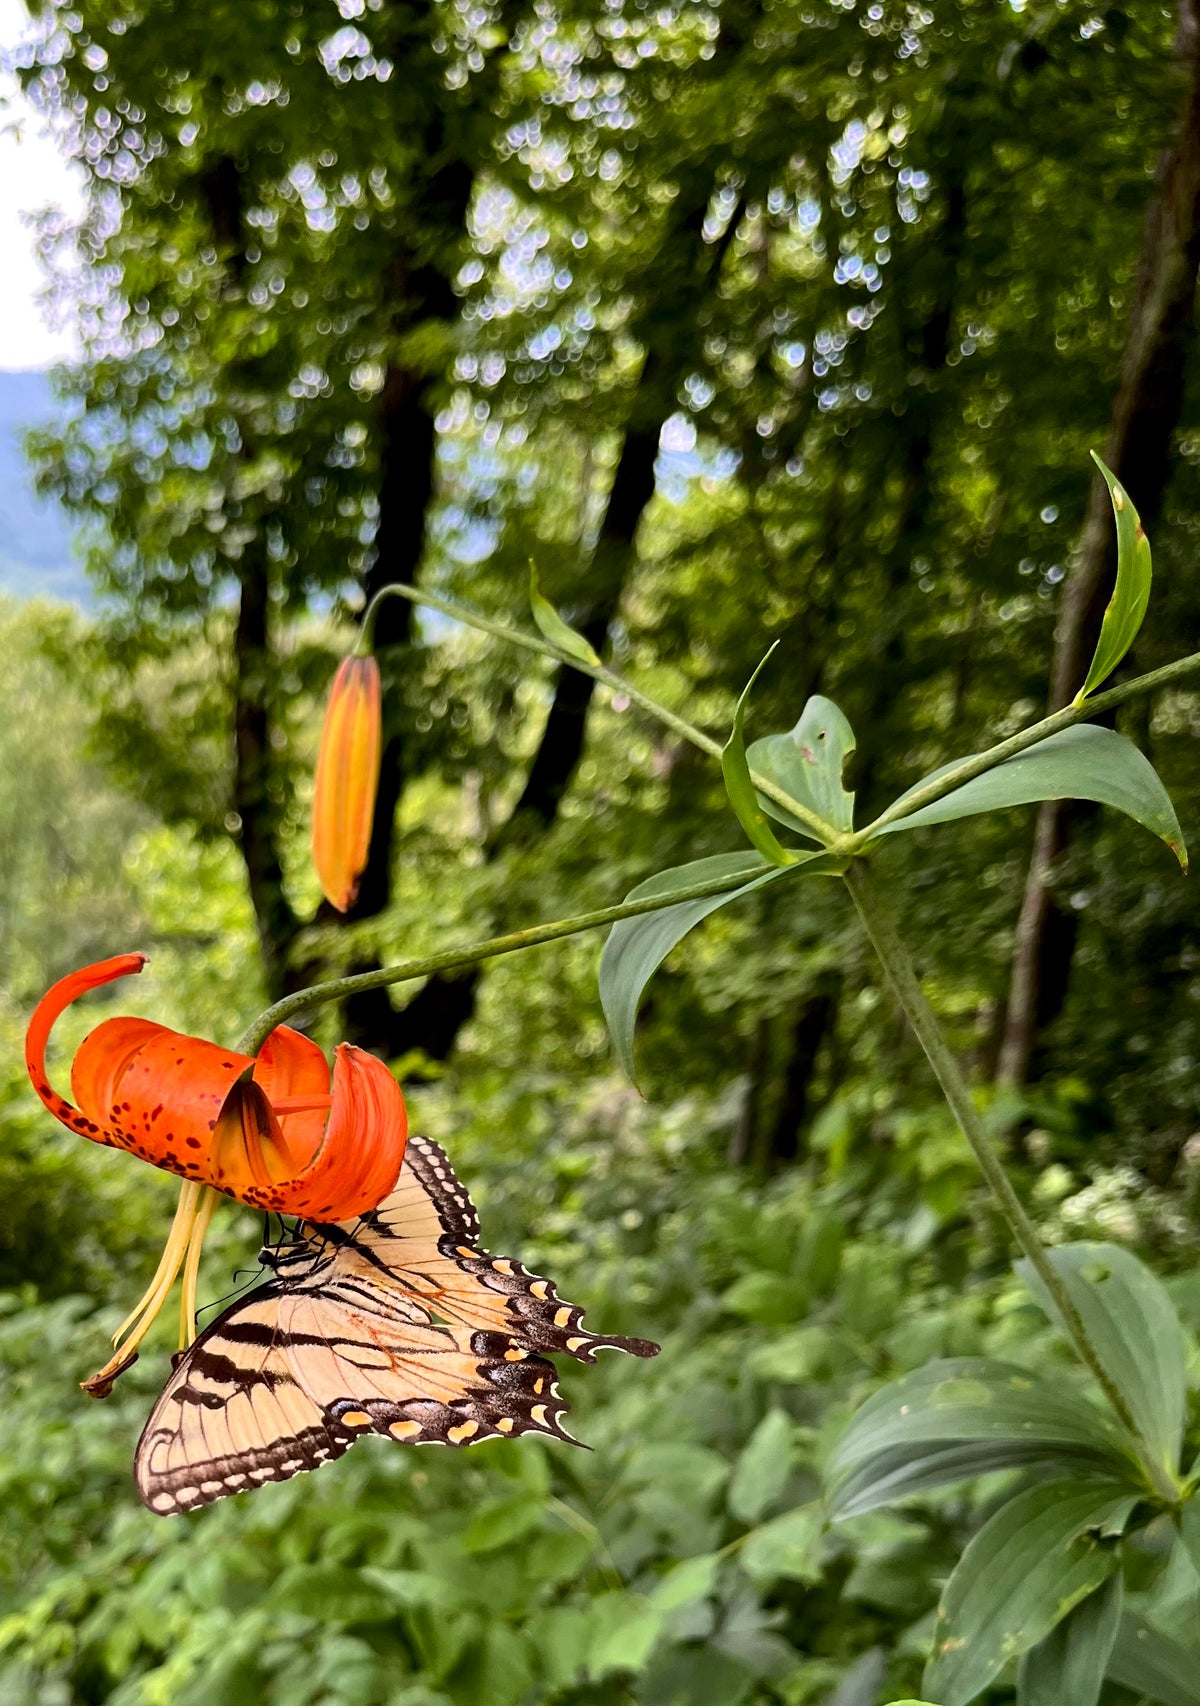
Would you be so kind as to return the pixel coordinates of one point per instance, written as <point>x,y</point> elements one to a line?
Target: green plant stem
<point>489,949</point>
<point>940,786</point>
<point>821,831</point>
<point>901,975</point>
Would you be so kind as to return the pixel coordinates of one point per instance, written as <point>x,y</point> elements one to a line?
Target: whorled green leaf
<point>742,794</point>
<point>1153,1665</point>
<point>1135,1331</point>
<point>959,1417</point>
<point>552,626</point>
<point>808,763</point>
<point>1127,606</point>
<point>1070,1664</point>
<point>636,947</point>
<point>1081,763</point>
<point>1029,1565</point>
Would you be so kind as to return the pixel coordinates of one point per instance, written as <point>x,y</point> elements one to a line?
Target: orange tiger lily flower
<point>347,779</point>
<point>270,1130</point>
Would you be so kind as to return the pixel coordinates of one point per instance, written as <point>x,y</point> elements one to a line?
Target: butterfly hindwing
<point>396,1323</point>
<point>233,1415</point>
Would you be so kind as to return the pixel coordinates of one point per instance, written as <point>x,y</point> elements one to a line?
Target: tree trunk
<point>432,1019</point>
<point>812,1024</point>
<point>277,923</point>
<point>1145,415</point>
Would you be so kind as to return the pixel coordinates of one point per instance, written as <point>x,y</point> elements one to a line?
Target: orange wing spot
<point>562,1317</point>
<point>539,1385</point>
<point>356,1419</point>
<point>574,1344</point>
<point>502,1267</point>
<point>465,1431</point>
<point>465,1251</point>
<point>515,1355</point>
<point>539,1289</point>
<point>505,1425</point>
<point>404,1430</point>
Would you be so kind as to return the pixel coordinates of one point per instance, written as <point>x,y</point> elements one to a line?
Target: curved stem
<point>939,787</point>
<point>901,975</point>
<point>820,830</point>
<point>455,958</point>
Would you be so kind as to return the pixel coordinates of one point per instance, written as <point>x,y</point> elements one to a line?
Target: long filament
<point>191,1268</point>
<point>169,1262</point>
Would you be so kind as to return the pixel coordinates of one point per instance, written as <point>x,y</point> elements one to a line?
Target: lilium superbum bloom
<point>272,1130</point>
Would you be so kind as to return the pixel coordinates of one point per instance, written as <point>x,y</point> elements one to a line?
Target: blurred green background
<point>746,321</point>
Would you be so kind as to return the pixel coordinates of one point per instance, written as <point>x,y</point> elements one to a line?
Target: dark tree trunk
<point>256,810</point>
<point>813,1023</point>
<point>432,1019</point>
<point>220,189</point>
<point>1145,415</point>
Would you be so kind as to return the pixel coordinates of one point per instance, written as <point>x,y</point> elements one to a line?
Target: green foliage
<point>1127,608</point>
<point>552,626</point>
<point>740,787</point>
<point>809,763</point>
<point>1082,763</point>
<point>898,304</point>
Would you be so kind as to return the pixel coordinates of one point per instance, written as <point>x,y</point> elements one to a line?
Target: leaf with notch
<point>1086,762</point>
<point>1127,606</point>
<point>1153,1665</point>
<point>636,947</point>
<point>1136,1333</point>
<point>1029,1565</point>
<point>807,763</point>
<point>742,794</point>
<point>959,1417</point>
<point>1069,1665</point>
<point>552,626</point>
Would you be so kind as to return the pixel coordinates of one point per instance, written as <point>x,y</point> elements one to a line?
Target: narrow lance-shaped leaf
<point>636,947</point>
<point>1028,1566</point>
<point>808,763</point>
<point>1135,1331</point>
<point>1082,763</point>
<point>1069,1665</point>
<point>552,626</point>
<point>1127,606</point>
<point>743,796</point>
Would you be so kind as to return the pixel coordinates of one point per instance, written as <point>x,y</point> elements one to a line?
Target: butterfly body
<point>396,1324</point>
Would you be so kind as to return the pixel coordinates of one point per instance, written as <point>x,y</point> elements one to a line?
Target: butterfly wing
<point>233,1414</point>
<point>396,1323</point>
<point>426,1233</point>
<point>474,1366</point>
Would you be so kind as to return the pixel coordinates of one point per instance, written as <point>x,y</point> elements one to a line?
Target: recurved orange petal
<point>359,1160</point>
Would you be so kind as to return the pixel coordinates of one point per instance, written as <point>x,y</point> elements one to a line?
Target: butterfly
<point>396,1323</point>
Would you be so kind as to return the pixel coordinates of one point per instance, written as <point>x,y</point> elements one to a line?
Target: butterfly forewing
<point>395,1323</point>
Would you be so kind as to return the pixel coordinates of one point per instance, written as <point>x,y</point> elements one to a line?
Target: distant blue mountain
<point>35,536</point>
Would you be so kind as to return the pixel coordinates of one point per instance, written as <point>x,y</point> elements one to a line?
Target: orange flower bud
<point>347,779</point>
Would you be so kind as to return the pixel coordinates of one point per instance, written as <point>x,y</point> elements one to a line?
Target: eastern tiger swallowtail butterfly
<point>395,1323</point>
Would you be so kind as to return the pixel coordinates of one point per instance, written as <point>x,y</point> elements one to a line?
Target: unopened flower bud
<point>347,779</point>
